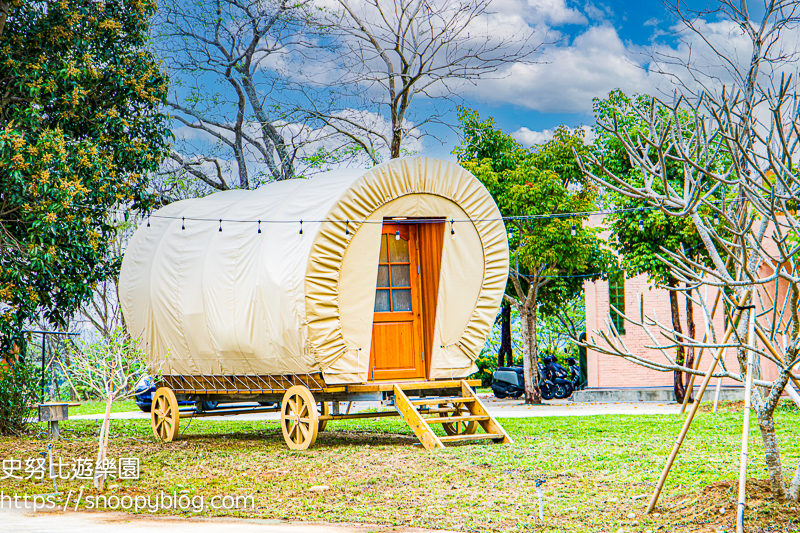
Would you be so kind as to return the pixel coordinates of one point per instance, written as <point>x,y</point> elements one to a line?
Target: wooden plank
<point>490,425</point>
<point>380,414</point>
<point>437,401</point>
<point>245,384</point>
<point>226,412</point>
<point>383,386</point>
<point>415,421</point>
<point>449,419</point>
<point>474,436</point>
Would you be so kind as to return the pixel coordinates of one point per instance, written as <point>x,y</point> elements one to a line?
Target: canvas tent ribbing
<point>239,302</point>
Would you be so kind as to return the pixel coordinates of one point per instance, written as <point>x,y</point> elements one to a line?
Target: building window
<point>616,297</point>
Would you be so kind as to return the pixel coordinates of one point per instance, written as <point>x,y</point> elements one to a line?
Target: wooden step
<point>450,419</point>
<point>474,436</point>
<point>437,401</point>
<point>468,403</point>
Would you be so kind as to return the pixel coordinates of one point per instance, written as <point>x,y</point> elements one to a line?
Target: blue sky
<point>592,48</point>
<point>620,32</point>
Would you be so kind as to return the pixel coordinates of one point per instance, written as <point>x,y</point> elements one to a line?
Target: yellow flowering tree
<point>80,130</point>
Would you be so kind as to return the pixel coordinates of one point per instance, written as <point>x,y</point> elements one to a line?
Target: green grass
<point>375,475</point>
<point>96,407</point>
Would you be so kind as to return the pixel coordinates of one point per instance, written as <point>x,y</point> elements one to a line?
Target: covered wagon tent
<point>354,284</point>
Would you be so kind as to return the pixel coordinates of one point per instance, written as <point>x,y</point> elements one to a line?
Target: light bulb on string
<point>301,227</point>
<point>183,223</point>
<point>574,230</point>
<point>220,225</point>
<point>259,226</point>
<point>716,219</point>
<point>641,225</point>
<point>148,221</point>
<point>397,235</point>
<point>452,231</point>
<point>347,227</point>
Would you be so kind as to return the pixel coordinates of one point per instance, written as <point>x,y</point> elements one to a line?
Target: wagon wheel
<point>164,416</point>
<point>324,409</point>
<point>299,418</point>
<point>461,427</point>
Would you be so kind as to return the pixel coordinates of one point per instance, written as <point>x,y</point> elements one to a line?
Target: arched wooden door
<point>397,328</point>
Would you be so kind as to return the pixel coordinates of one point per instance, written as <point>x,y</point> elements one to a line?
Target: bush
<point>18,395</point>
<point>487,364</point>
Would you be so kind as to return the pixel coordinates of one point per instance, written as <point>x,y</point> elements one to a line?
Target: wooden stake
<point>700,357</point>
<point>748,386</point>
<point>696,405</point>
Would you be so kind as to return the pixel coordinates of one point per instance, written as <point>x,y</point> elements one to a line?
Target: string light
<point>574,230</point>
<point>347,227</point>
<point>259,226</point>
<point>716,218</point>
<point>397,235</point>
<point>220,225</point>
<point>183,223</point>
<point>641,225</point>
<point>452,231</point>
<point>301,227</point>
<point>148,221</point>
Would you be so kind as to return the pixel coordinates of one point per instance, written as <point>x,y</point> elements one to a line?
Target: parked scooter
<point>510,381</point>
<point>558,375</point>
<point>575,373</point>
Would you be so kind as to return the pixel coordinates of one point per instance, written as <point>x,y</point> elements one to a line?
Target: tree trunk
<point>505,356</point>
<point>794,490</point>
<point>99,478</point>
<point>676,325</point>
<point>397,137</point>
<point>4,8</point>
<point>772,454</point>
<point>530,351</point>
<point>691,332</point>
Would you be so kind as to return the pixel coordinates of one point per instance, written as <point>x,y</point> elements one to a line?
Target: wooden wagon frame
<point>307,404</point>
<point>362,285</point>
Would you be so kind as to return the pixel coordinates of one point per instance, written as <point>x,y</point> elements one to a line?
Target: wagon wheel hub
<point>165,417</point>
<point>299,418</point>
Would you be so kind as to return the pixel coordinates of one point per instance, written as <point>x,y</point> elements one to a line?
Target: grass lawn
<point>93,407</point>
<point>598,471</point>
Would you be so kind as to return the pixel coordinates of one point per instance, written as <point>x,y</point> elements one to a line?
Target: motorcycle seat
<point>517,369</point>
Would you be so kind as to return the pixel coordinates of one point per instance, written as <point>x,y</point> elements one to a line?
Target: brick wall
<point>612,371</point>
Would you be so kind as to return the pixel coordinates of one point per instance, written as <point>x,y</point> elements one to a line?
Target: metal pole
<point>43,358</point>
<point>748,386</point>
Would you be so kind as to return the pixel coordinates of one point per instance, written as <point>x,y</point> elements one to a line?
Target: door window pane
<point>382,302</point>
<point>401,276</point>
<point>383,257</point>
<point>383,276</point>
<point>401,300</point>
<point>398,251</point>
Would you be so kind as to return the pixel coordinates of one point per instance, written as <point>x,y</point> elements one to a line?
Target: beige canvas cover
<point>240,302</point>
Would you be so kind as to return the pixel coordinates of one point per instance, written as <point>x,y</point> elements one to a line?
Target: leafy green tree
<point>640,233</point>
<point>551,257</point>
<point>80,99</point>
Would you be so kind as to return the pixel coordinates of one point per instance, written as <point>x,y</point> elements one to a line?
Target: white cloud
<point>528,137</point>
<point>567,77</point>
<point>556,12</point>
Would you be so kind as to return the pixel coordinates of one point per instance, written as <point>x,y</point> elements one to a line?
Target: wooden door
<point>396,351</point>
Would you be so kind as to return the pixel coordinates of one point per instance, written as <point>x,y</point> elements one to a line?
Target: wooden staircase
<point>460,416</point>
